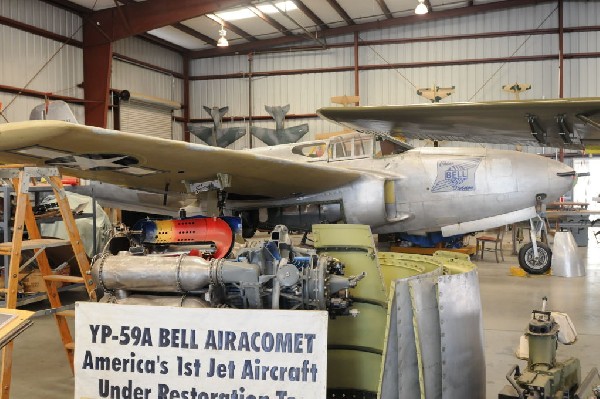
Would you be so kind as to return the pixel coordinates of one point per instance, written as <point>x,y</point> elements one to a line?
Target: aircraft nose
<point>561,177</point>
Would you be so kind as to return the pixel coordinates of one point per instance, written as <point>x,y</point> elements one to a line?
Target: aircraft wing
<point>283,136</point>
<point>230,135</point>
<point>569,123</point>
<point>154,164</point>
<point>204,133</point>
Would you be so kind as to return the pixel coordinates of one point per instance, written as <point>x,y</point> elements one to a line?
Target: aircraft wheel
<point>535,266</point>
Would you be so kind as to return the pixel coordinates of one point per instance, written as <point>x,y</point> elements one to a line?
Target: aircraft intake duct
<point>180,273</point>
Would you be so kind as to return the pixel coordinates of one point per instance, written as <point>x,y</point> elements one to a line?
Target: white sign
<point>147,352</point>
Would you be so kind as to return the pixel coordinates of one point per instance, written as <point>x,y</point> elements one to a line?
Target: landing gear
<point>533,264</point>
<point>536,257</point>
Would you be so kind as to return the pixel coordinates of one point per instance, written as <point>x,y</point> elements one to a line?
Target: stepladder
<point>21,178</point>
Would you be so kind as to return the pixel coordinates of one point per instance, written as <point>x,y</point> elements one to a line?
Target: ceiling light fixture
<point>421,8</point>
<point>222,42</point>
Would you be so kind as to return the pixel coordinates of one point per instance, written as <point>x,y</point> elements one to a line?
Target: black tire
<point>535,266</point>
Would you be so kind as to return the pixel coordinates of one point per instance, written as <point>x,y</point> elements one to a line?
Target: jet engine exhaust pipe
<point>181,273</point>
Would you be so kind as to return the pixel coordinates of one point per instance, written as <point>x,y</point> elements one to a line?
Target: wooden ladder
<point>21,177</point>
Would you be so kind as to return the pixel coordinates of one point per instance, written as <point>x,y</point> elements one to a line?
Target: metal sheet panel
<point>460,49</point>
<point>331,57</point>
<point>389,86</point>
<point>391,371</point>
<point>408,367</point>
<point>423,295</point>
<point>219,65</point>
<point>581,13</point>
<point>518,18</point>
<point>43,15</point>
<point>23,55</point>
<point>461,327</point>
<point>581,77</point>
<point>136,79</point>
<point>148,52</point>
<point>305,93</point>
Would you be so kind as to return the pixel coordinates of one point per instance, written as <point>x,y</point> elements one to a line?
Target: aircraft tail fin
<point>53,110</point>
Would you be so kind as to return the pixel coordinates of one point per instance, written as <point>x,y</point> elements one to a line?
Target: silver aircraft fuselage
<point>454,190</point>
<point>450,189</point>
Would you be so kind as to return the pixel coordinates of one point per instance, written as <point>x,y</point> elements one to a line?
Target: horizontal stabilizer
<point>280,136</point>
<point>225,137</point>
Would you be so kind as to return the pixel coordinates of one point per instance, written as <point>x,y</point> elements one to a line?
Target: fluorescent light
<point>242,13</point>
<point>421,8</point>
<point>245,13</point>
<point>284,6</point>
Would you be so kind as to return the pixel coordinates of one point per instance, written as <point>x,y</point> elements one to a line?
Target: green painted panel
<point>366,330</point>
<point>346,374</point>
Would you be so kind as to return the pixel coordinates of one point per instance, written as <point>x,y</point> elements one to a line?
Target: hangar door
<point>147,115</point>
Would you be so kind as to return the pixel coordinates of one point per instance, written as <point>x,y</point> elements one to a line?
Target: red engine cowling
<point>189,231</point>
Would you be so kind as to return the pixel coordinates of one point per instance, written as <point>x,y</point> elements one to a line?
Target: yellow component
<point>390,193</point>
<point>454,262</point>
<point>395,266</point>
<point>352,369</point>
<point>517,271</point>
<point>592,149</point>
<point>355,344</point>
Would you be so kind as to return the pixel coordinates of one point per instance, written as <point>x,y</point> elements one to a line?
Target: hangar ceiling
<point>263,24</point>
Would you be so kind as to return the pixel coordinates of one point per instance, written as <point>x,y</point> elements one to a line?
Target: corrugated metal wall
<point>23,54</point>
<point>476,82</point>
<point>151,53</point>
<point>581,75</point>
<point>44,16</point>
<point>140,79</point>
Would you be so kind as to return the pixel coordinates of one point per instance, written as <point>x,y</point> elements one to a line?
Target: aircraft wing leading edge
<point>160,165</point>
<point>568,123</point>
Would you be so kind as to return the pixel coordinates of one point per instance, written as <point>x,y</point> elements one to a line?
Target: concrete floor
<point>508,301</point>
<point>40,368</point>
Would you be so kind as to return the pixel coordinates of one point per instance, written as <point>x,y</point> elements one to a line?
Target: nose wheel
<point>532,263</point>
<point>536,257</point>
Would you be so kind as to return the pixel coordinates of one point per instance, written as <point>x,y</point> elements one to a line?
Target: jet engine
<point>274,274</point>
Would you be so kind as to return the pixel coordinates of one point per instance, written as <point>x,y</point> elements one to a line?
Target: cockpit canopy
<point>351,146</point>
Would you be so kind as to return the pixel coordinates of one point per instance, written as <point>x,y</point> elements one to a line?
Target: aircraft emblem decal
<point>456,175</point>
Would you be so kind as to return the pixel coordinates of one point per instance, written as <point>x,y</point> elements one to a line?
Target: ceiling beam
<point>386,23</point>
<point>69,6</point>
<point>183,28</point>
<point>148,15</point>
<point>385,9</point>
<point>342,13</point>
<point>282,29</point>
<point>234,28</point>
<point>192,32</point>
<point>310,14</point>
<point>163,43</point>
